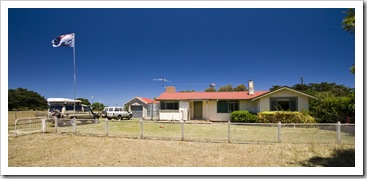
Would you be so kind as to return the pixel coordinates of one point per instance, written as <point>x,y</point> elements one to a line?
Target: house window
<point>169,105</point>
<point>224,106</point>
<point>283,104</point>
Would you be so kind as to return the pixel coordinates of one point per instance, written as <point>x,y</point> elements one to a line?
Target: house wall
<point>214,116</point>
<point>264,103</point>
<point>181,114</point>
<point>249,105</point>
<point>170,115</point>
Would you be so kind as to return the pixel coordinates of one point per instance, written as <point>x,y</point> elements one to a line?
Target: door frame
<point>201,110</point>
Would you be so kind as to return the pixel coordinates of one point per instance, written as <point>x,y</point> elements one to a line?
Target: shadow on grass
<point>339,158</point>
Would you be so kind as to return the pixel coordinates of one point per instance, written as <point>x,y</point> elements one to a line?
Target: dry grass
<point>45,150</point>
<point>55,150</point>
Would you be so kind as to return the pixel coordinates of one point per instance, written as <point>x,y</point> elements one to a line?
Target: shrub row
<point>243,116</point>
<point>271,117</point>
<point>284,117</point>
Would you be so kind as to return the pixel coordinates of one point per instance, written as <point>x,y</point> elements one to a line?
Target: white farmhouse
<point>217,106</point>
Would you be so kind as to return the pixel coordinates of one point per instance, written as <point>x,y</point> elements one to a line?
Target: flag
<point>64,40</point>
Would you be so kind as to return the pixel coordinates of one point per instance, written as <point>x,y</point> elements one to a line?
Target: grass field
<point>301,146</point>
<point>46,150</point>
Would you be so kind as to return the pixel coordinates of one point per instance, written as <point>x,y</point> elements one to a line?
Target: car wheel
<point>119,117</point>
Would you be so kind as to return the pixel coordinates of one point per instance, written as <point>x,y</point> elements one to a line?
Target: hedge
<point>284,117</point>
<point>243,116</point>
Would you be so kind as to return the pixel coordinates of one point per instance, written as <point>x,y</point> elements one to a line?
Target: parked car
<point>116,112</point>
<point>63,108</point>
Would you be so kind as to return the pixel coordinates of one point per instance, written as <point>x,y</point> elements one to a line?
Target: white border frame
<point>357,170</point>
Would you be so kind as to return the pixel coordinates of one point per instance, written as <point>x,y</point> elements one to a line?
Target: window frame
<point>169,105</point>
<point>292,103</point>
<point>227,106</point>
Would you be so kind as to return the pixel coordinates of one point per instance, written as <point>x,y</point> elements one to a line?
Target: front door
<point>198,110</point>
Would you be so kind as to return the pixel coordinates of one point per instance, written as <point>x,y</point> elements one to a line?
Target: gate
<point>30,125</point>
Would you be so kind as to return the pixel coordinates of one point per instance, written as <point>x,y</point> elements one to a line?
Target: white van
<point>64,108</point>
<point>116,113</point>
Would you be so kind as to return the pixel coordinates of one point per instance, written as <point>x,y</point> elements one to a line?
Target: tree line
<point>22,99</point>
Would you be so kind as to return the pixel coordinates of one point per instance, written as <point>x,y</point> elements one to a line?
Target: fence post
<point>279,132</point>
<point>15,126</point>
<point>182,130</point>
<point>229,131</point>
<point>338,132</point>
<point>56,123</point>
<point>152,112</point>
<point>106,126</point>
<point>141,128</point>
<point>75,120</point>
<point>43,125</point>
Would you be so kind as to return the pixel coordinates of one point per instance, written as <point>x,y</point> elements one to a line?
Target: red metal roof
<point>146,100</point>
<point>208,95</point>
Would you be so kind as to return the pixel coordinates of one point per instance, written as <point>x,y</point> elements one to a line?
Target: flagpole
<point>74,72</point>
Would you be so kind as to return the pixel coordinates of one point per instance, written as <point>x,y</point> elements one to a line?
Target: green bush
<point>243,116</point>
<point>284,117</point>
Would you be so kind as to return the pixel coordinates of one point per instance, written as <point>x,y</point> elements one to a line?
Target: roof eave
<point>280,89</point>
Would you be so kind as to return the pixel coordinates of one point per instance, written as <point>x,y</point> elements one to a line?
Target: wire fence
<point>297,133</point>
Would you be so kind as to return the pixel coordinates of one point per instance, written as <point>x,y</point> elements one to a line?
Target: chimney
<point>251,87</point>
<point>170,89</point>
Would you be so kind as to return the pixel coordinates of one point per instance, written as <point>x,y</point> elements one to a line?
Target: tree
<point>210,90</point>
<point>98,106</point>
<point>227,88</point>
<point>84,101</point>
<point>352,69</point>
<point>187,91</point>
<point>336,90</point>
<point>348,23</point>
<point>275,87</point>
<point>330,109</point>
<point>23,99</point>
<point>240,87</point>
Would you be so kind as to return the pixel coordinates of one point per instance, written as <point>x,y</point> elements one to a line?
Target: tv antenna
<point>163,80</point>
<point>301,81</point>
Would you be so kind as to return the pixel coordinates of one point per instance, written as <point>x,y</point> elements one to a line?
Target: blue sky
<point>120,51</point>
